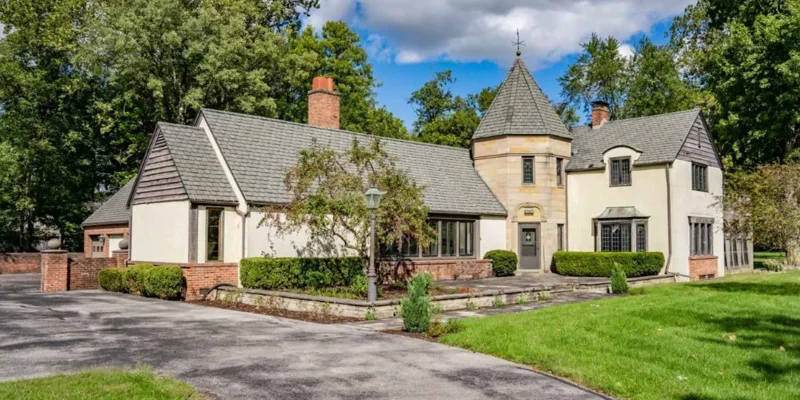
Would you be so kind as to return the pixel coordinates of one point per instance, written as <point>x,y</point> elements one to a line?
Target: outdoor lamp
<point>373,198</point>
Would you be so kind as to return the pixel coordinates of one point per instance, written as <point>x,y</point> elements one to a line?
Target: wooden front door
<point>530,246</point>
<point>97,247</point>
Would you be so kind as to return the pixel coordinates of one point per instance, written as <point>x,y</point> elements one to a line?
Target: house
<point>527,184</point>
<point>106,229</point>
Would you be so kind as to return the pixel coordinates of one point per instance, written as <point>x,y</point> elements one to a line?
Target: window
<point>560,237</point>
<point>432,250</point>
<point>745,255</point>
<point>734,253</point>
<point>214,234</point>
<point>448,236</point>
<point>528,172</point>
<point>465,233</point>
<point>559,171</point>
<point>615,237</point>
<point>699,177</point>
<point>641,237</point>
<point>701,237</point>
<point>620,171</point>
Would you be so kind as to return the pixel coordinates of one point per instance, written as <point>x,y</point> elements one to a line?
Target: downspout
<point>667,169</point>
<point>243,213</point>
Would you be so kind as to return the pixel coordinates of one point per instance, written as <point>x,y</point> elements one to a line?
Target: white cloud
<point>474,30</point>
<point>375,45</point>
<point>626,51</point>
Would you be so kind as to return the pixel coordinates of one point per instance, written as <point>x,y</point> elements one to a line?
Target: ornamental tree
<point>767,203</point>
<point>327,189</point>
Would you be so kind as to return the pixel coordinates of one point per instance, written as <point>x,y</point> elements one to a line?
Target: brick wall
<point>702,267</point>
<point>20,263</point>
<point>55,271</point>
<point>106,231</point>
<point>83,271</point>
<point>452,269</point>
<point>201,277</point>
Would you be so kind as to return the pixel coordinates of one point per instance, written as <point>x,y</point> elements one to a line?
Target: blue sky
<point>409,44</point>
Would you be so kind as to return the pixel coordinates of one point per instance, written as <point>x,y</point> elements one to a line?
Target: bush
<point>299,273</point>
<point>573,263</point>
<point>359,286</point>
<point>164,282</point>
<point>619,282</point>
<point>504,262</point>
<point>133,278</point>
<point>773,265</point>
<point>415,309</point>
<point>110,279</point>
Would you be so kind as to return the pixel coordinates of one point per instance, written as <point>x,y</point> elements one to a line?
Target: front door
<point>529,246</point>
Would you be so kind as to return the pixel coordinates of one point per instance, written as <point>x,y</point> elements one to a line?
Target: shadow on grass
<point>782,289</point>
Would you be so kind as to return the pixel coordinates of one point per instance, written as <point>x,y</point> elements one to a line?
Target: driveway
<point>235,355</point>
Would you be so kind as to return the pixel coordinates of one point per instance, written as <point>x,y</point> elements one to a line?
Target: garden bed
<point>385,292</point>
<point>320,318</point>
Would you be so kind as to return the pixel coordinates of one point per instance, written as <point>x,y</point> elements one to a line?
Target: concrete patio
<point>526,279</point>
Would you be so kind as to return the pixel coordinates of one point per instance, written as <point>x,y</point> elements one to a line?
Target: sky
<point>408,41</point>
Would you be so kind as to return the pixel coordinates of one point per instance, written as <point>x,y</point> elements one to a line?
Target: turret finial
<point>518,43</point>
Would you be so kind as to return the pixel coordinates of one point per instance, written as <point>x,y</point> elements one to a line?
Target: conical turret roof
<point>520,108</point>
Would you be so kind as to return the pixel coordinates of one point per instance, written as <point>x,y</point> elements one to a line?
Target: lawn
<point>760,256</point>
<point>139,384</point>
<point>736,338</point>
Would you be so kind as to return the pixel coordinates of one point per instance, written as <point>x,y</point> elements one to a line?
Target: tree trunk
<point>793,254</point>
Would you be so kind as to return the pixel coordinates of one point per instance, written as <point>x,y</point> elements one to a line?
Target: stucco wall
<point>493,235</point>
<point>160,232</point>
<point>266,240</point>
<point>590,194</point>
<point>690,203</point>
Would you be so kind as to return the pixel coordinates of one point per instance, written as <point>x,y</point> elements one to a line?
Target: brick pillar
<point>55,271</point>
<point>121,257</point>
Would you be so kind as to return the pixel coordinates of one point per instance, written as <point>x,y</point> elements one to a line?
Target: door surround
<point>533,262</point>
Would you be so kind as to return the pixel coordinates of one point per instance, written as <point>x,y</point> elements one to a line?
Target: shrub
<point>133,278</point>
<point>415,309</point>
<point>299,273</point>
<point>575,263</point>
<point>439,329</point>
<point>359,286</point>
<point>619,282</point>
<point>773,265</point>
<point>504,262</point>
<point>110,279</point>
<point>164,282</point>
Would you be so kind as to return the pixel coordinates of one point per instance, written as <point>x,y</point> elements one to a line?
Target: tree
<point>599,73</point>
<point>767,203</point>
<point>567,114</point>
<point>327,189</point>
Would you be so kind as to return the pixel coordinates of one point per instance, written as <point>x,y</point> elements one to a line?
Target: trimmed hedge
<point>133,278</point>
<point>504,262</point>
<point>111,279</point>
<point>574,263</point>
<point>298,273</point>
<point>164,282</point>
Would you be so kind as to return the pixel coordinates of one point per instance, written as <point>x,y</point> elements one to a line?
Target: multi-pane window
<point>615,237</point>
<point>641,237</point>
<point>213,234</point>
<point>528,172</point>
<point>448,236</point>
<point>560,237</point>
<point>620,171</point>
<point>734,253</point>
<point>451,238</point>
<point>701,236</point>
<point>432,250</point>
<point>560,171</point>
<point>699,177</point>
<point>745,255</point>
<point>465,233</point>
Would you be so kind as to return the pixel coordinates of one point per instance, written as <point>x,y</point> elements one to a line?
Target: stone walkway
<point>561,298</point>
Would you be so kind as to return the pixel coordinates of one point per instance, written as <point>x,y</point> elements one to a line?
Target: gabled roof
<point>115,210</point>
<point>259,152</point>
<point>520,108</point>
<point>659,138</point>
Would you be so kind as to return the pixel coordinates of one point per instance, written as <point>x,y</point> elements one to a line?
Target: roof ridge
<point>366,135</point>
<point>698,110</point>
<point>533,95</point>
<point>510,118</point>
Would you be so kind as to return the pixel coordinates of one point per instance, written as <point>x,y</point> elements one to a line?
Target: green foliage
<point>504,262</point>
<point>164,282</point>
<point>134,278</point>
<point>295,273</point>
<point>574,263</point>
<point>498,302</point>
<point>439,329</point>
<point>110,279</point>
<point>415,308</point>
<point>772,265</point>
<point>471,305</point>
<point>637,291</point>
<point>619,281</point>
<point>370,316</point>
<point>359,287</point>
<point>328,187</point>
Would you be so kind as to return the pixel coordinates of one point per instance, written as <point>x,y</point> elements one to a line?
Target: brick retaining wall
<point>201,277</point>
<point>446,269</point>
<point>703,267</point>
<point>20,263</point>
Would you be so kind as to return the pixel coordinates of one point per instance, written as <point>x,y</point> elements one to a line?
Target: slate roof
<point>260,151</point>
<point>201,172</point>
<point>520,108</point>
<point>621,213</point>
<point>115,210</point>
<point>659,138</point>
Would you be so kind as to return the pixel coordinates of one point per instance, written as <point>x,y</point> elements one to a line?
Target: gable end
<point>159,180</point>
<point>698,146</point>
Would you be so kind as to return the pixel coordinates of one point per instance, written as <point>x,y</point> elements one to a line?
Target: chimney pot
<point>600,113</point>
<point>323,103</point>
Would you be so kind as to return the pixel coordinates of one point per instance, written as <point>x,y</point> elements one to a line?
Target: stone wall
<point>20,263</point>
<point>441,269</point>
<point>703,267</point>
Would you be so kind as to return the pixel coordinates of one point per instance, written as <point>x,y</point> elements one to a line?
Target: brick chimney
<point>323,104</point>
<point>600,114</point>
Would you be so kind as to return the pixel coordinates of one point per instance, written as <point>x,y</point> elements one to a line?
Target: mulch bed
<point>420,336</point>
<point>319,318</point>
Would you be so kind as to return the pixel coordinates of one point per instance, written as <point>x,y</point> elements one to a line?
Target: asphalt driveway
<point>235,355</point>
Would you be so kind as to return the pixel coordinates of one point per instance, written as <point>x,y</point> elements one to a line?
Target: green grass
<point>139,384</point>
<point>702,341</point>
<point>760,256</point>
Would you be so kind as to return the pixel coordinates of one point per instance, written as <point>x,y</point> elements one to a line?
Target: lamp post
<point>373,196</point>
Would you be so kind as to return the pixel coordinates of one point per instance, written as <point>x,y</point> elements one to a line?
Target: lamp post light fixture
<point>373,196</point>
